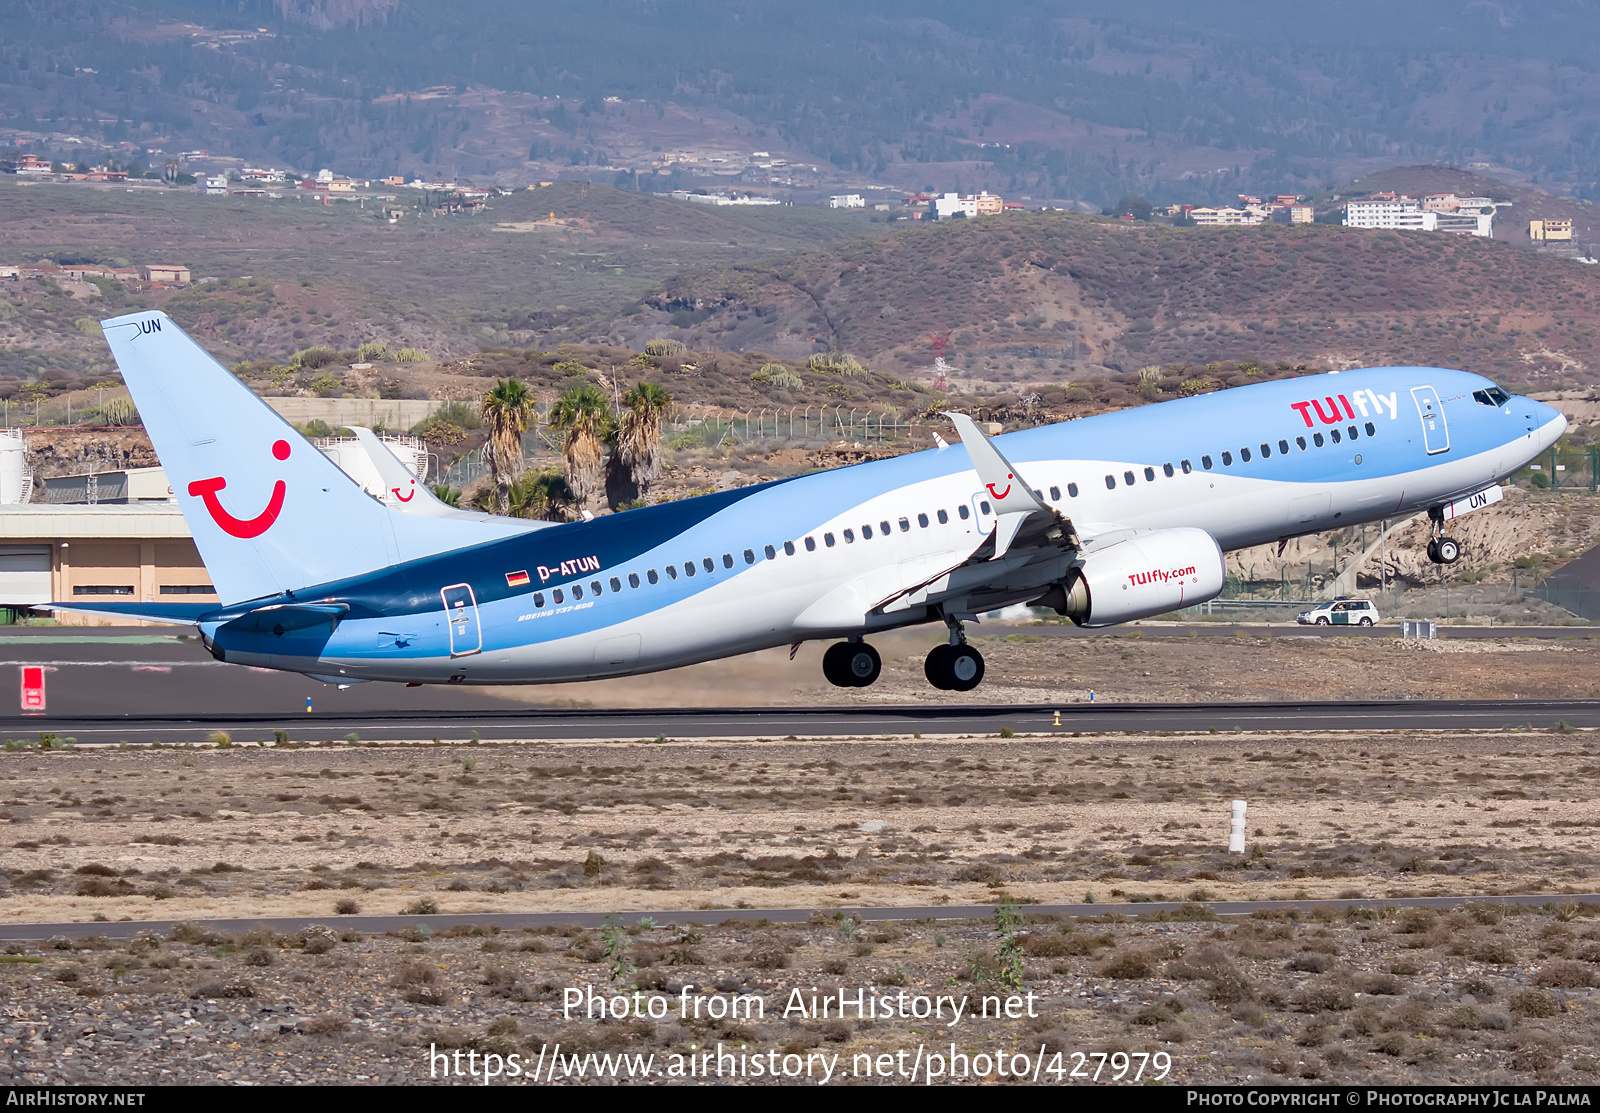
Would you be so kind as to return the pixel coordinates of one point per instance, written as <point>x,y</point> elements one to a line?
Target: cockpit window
<point>1494,396</point>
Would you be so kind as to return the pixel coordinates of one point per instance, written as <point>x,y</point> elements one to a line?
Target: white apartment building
<point>1400,213</point>
<point>847,201</point>
<point>1227,216</point>
<point>949,205</point>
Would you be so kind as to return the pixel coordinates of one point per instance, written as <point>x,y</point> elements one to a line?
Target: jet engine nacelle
<point>1148,574</point>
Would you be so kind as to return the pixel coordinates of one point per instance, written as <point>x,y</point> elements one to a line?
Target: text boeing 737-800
<point>1106,519</point>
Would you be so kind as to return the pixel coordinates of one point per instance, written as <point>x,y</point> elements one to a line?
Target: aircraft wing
<point>1031,545</point>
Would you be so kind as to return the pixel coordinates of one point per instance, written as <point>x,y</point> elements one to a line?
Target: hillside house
<point>1550,230</point>
<point>847,201</point>
<point>168,274</point>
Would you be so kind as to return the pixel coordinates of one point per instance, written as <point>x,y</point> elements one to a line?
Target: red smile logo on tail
<point>1000,494</point>
<point>245,528</point>
<point>410,494</point>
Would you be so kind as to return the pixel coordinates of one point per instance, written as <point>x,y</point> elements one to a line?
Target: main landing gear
<point>955,666</point>
<point>851,664</point>
<point>1442,549</point>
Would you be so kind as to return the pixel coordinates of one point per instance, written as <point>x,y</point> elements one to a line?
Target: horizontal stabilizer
<point>283,617</point>
<point>183,614</point>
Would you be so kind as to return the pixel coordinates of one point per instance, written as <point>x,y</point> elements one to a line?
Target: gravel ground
<point>1465,997</point>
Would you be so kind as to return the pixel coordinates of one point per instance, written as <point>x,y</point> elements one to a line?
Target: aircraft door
<point>983,513</point>
<point>1435,433</point>
<point>461,612</point>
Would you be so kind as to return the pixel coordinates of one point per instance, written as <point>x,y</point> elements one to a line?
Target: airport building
<point>120,534</point>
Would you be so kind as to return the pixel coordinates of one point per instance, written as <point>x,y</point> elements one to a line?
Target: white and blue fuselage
<point>762,566</point>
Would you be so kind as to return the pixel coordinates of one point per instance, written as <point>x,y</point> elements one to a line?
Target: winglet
<point>1010,492</point>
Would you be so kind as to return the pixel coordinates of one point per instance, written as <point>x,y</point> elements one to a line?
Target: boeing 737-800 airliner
<point>1106,519</point>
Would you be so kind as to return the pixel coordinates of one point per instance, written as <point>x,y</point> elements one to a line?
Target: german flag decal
<point>516,579</point>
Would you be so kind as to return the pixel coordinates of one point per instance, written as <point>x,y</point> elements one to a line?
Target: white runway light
<point>1236,829</point>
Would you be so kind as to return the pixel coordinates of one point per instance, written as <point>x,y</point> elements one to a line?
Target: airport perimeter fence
<point>695,425</point>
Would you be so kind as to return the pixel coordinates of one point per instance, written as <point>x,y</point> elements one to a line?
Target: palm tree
<point>450,496</point>
<point>636,451</point>
<point>544,496</point>
<point>583,415</point>
<point>507,410</point>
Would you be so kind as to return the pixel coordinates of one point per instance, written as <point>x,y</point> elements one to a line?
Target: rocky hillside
<point>1053,296</point>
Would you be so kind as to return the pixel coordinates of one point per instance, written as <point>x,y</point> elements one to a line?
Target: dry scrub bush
<point>1128,964</point>
<point>1532,1003</point>
<point>1567,975</point>
<point>1328,994</point>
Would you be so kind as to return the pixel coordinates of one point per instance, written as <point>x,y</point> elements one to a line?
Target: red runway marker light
<point>32,690</point>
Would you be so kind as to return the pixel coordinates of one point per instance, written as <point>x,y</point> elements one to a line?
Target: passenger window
<point>616,584</point>
<point>1166,470</point>
<point>538,599</point>
<point>577,591</point>
<point>1283,447</point>
<point>652,577</point>
<point>1149,475</point>
<point>708,564</point>
<point>905,525</point>
<point>1205,462</point>
<point>1227,459</point>
<point>1316,439</point>
<point>1186,466</point>
<point>558,597</point>
<point>1301,441</point>
<point>788,548</point>
<point>866,533</point>
<point>944,518</point>
<point>672,571</point>
<point>1334,433</point>
<point>811,544</point>
<point>1372,430</point>
<point>922,520</point>
<point>1055,494</point>
<point>1352,432</point>
<point>688,568</point>
<point>963,512</point>
<point>727,560</point>
<point>1244,455</point>
<point>1266,451</point>
<point>1127,477</point>
<point>749,556</point>
<point>849,537</point>
<point>633,579</point>
<point>594,586</point>
<point>884,526</point>
<point>1072,490</point>
<point>982,506</point>
<point>1111,483</point>
<point>827,539</point>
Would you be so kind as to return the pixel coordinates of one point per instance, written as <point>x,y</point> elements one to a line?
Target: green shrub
<point>411,355</point>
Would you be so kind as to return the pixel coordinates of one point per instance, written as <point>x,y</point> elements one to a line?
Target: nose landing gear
<point>955,666</point>
<point>1442,549</point>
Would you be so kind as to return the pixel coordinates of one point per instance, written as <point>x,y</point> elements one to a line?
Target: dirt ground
<point>1026,665</point>
<point>321,832</point>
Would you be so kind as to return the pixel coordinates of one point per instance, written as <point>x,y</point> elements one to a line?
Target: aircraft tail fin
<point>268,511</point>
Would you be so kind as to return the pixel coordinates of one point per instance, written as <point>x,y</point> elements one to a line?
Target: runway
<point>664,724</point>
<point>140,687</point>
<point>514,921</point>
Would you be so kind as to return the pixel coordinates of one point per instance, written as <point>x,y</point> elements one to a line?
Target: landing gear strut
<point>851,664</point>
<point>1442,549</point>
<point>955,666</point>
